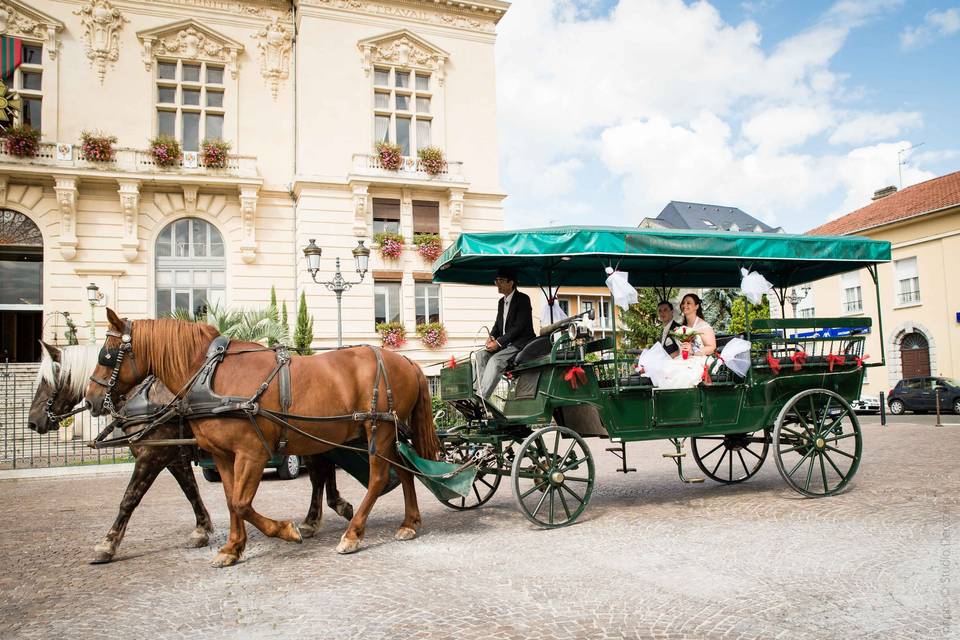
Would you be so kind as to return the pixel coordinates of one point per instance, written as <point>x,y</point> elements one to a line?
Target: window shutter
<point>426,217</point>
<point>906,268</point>
<point>386,209</point>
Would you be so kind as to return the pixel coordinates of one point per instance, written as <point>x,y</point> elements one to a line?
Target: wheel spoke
<point>551,492</point>
<point>826,414</point>
<point>563,501</point>
<point>806,484</point>
<point>751,452</point>
<point>796,448</point>
<point>536,487</point>
<point>797,466</point>
<point>571,492</point>
<point>476,492</point>
<point>802,436</point>
<point>573,463</point>
<point>719,462</point>
<point>540,504</point>
<point>730,466</point>
<point>707,454</point>
<point>835,468</point>
<point>843,453</point>
<point>823,474</point>
<point>480,479</point>
<point>745,470</point>
<point>840,437</point>
<point>573,479</point>
<point>833,424</point>
<point>556,444</point>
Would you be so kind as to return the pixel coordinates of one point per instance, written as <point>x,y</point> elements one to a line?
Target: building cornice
<point>891,224</point>
<point>470,16</point>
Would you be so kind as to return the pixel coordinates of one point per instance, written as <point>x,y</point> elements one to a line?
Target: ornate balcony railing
<point>413,168</point>
<point>129,161</point>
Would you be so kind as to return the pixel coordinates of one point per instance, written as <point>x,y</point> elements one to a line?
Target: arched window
<point>21,287</point>
<point>191,268</point>
<point>915,355</point>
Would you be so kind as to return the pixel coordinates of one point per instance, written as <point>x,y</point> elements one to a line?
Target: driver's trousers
<point>489,367</point>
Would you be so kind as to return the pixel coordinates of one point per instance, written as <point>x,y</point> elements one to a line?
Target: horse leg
<point>343,508</point>
<point>199,537</point>
<point>379,476</point>
<point>230,552</point>
<point>316,469</point>
<point>248,472</point>
<point>145,471</point>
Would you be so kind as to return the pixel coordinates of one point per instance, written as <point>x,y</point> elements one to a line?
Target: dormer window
<point>708,223</point>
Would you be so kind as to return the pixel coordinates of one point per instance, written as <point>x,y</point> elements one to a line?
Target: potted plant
<point>213,153</point>
<point>165,151</point>
<point>390,244</point>
<point>390,158</point>
<point>392,334</point>
<point>432,160</point>
<point>432,334</point>
<point>97,146</point>
<point>22,141</point>
<point>428,245</point>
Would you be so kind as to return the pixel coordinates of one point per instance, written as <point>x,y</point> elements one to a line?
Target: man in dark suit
<point>511,332</point>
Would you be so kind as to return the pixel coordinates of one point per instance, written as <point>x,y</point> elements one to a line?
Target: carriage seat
<point>632,380</point>
<point>536,348</point>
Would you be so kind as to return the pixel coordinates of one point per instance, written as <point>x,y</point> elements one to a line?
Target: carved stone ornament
<point>67,196</point>
<point>471,18</point>
<point>403,49</point>
<point>248,216</point>
<point>455,206</point>
<point>275,42</point>
<point>189,40</point>
<point>20,20</point>
<point>360,196</point>
<point>101,33</point>
<point>130,210</point>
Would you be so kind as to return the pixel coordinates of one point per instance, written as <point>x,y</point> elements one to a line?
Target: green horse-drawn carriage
<point>794,398</point>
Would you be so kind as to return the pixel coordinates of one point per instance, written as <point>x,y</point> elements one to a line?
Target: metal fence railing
<point>23,448</point>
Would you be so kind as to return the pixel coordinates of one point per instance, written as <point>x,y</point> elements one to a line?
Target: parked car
<point>866,404</point>
<point>288,467</point>
<point>920,395</point>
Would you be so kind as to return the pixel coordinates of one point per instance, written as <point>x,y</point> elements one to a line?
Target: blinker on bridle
<point>114,358</point>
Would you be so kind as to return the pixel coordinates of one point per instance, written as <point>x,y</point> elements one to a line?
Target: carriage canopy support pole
<point>876,285</point>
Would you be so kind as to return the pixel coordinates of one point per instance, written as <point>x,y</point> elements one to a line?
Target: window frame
<point>411,93</point>
<point>178,108</point>
<point>191,263</point>
<point>426,300</point>
<point>399,289</point>
<point>17,86</point>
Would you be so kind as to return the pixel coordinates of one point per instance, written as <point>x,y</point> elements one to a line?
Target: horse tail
<point>425,439</point>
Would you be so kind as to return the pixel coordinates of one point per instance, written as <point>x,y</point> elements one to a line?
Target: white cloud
<point>867,127</point>
<point>936,24</point>
<point>676,103</point>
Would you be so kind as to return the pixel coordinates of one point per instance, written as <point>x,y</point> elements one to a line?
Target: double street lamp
<point>94,295</point>
<point>794,298</point>
<point>361,258</point>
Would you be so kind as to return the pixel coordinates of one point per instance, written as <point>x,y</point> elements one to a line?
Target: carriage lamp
<point>361,258</point>
<point>93,297</point>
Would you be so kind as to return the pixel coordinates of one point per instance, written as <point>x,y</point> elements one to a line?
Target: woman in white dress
<point>684,372</point>
<point>691,308</point>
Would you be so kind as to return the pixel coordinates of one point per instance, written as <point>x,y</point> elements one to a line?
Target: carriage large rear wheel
<point>817,443</point>
<point>484,485</point>
<point>553,476</point>
<point>730,458</point>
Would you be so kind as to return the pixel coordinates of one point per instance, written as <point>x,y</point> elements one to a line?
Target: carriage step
<point>675,455</point>
<point>694,480</point>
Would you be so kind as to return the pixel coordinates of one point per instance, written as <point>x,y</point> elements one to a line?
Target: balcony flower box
<point>165,151</point>
<point>392,334</point>
<point>213,153</point>
<point>98,147</point>
<point>390,158</point>
<point>390,244</point>
<point>21,141</point>
<point>432,160</point>
<point>432,335</point>
<point>428,245</point>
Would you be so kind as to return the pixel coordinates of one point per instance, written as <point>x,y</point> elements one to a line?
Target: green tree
<point>641,328</point>
<point>285,321</point>
<point>303,335</point>
<point>738,318</point>
<point>718,308</point>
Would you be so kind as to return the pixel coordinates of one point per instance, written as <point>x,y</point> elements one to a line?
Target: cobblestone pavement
<point>651,557</point>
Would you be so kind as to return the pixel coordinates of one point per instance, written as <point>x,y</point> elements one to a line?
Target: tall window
<point>28,82</point>
<point>426,217</point>
<point>189,101</point>
<point>852,296</point>
<point>908,281</point>
<point>386,216</point>
<point>806,308</point>
<point>386,302</point>
<point>191,268</point>
<point>427,302</point>
<point>605,322</point>
<point>401,108</point>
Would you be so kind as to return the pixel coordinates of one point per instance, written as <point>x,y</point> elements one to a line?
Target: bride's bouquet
<point>684,334</point>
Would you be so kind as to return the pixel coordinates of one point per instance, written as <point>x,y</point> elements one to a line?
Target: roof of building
<point>701,217</point>
<point>914,200</point>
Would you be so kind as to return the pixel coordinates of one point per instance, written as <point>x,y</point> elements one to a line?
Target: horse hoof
<point>293,534</point>
<point>344,509</point>
<point>224,560</point>
<point>101,557</point>
<point>405,533</point>
<point>348,546</point>
<point>198,539</point>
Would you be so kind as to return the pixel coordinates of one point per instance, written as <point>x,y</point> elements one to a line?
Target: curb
<point>60,472</point>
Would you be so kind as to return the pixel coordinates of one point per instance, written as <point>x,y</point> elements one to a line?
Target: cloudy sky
<point>792,110</point>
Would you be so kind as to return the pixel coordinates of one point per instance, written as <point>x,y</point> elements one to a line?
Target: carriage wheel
<point>553,479</point>
<point>818,443</point>
<point>730,458</point>
<point>485,484</point>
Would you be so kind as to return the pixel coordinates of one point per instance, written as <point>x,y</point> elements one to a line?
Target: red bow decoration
<point>832,360</point>
<point>773,362</point>
<point>706,375</point>
<point>799,359</point>
<point>453,362</point>
<point>509,375</point>
<point>860,360</point>
<point>575,376</point>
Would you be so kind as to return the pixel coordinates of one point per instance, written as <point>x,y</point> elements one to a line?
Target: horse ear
<point>115,320</point>
<point>51,350</point>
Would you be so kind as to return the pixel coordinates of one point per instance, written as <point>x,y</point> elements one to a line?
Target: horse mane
<point>77,363</point>
<point>172,346</point>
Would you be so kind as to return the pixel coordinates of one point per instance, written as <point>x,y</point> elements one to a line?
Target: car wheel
<point>897,408</point>
<point>289,468</point>
<point>211,475</point>
<point>956,406</point>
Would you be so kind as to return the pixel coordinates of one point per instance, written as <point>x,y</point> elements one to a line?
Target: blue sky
<point>793,111</point>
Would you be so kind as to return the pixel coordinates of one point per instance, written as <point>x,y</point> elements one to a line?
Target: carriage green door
<point>21,287</point>
<point>191,268</point>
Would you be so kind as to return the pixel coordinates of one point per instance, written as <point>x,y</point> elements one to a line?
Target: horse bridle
<point>114,357</point>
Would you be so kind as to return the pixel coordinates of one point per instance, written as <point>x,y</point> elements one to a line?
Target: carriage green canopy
<point>577,256</point>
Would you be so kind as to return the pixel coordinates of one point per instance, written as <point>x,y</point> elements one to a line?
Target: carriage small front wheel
<point>553,476</point>
<point>817,442</point>
<point>485,484</point>
<point>730,458</point>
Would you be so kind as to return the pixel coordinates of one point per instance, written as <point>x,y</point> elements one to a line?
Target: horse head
<point>59,384</point>
<point>118,368</point>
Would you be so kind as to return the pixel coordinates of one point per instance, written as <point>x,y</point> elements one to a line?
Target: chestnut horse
<point>61,382</point>
<point>336,383</point>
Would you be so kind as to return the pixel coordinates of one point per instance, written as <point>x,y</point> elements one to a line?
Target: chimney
<point>883,193</point>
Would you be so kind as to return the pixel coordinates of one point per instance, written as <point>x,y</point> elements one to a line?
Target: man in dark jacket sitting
<point>511,332</point>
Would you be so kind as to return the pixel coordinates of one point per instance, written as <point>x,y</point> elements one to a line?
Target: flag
<point>11,55</point>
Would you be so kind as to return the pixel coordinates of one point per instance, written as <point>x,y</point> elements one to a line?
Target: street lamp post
<point>361,258</point>
<point>795,298</point>
<point>93,297</point>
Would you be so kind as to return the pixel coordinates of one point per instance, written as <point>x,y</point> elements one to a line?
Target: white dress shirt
<point>506,308</point>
